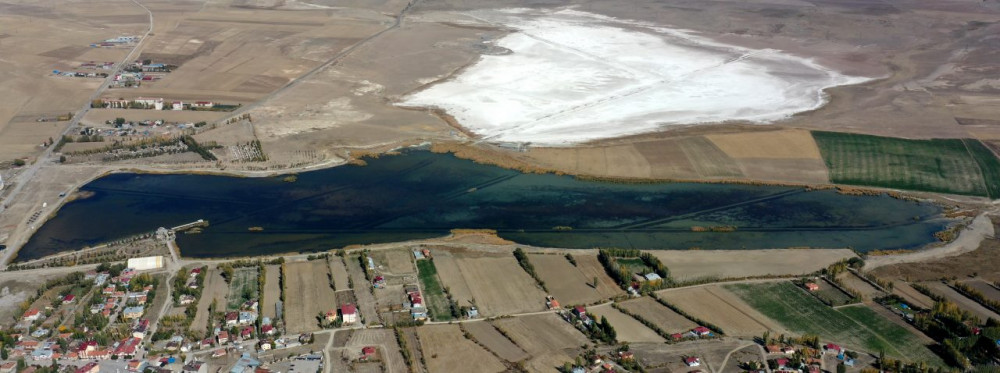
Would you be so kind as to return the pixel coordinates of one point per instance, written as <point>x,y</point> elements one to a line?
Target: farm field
<point>939,165</point>
<point>384,340</point>
<point>988,290</point>
<point>362,293</point>
<point>663,317</point>
<point>497,283</point>
<point>548,338</point>
<point>988,164</point>
<point>433,292</point>
<point>272,290</point>
<point>781,144</point>
<point>962,301</point>
<point>915,297</point>
<point>627,329</point>
<point>852,281</point>
<point>243,287</point>
<point>660,357</point>
<point>446,350</point>
<point>856,327</point>
<point>831,294</point>
<point>339,271</point>
<point>568,283</point>
<point>216,290</point>
<point>394,262</point>
<point>413,346</point>
<point>485,333</point>
<point>687,265</point>
<point>307,293</point>
<point>720,307</point>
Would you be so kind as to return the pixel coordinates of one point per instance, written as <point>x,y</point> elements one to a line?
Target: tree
<point>3,353</point>
<point>18,162</point>
<point>21,364</point>
<point>841,368</point>
<point>62,159</point>
<point>119,121</point>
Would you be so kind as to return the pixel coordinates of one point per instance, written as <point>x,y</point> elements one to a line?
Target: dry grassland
<point>568,283</point>
<point>216,290</point>
<point>663,317</point>
<point>446,350</point>
<point>696,264</point>
<point>720,307</point>
<point>413,346</point>
<point>384,340</point>
<point>670,358</point>
<point>485,333</point>
<point>395,262</point>
<point>340,277</point>
<point>307,293</point>
<point>628,329</point>
<point>782,144</point>
<point>272,290</point>
<point>988,290</point>
<point>548,338</point>
<point>497,283</point>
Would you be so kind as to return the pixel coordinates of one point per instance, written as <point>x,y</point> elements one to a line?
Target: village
<point>400,307</point>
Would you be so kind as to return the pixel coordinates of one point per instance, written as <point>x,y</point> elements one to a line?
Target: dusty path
<point>969,240</point>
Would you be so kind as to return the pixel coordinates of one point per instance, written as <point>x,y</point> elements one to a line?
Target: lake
<point>420,194</point>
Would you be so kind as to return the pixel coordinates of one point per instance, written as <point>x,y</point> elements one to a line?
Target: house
<point>68,299</point>
<point>367,352</point>
<point>579,311</point>
<point>267,329</point>
<point>206,343</point>
<point>223,337</point>
<point>418,313</point>
<point>652,277</point>
<point>349,312</point>
<point>416,300</point>
<point>8,367</point>
<point>677,336</point>
<point>417,255</point>
<point>177,105</point>
<point>42,354</point>
<point>245,364</point>
<point>773,349</point>
<point>692,361</point>
<point>128,348</point>
<point>246,332</point>
<point>701,331</point>
<point>788,350</point>
<point>140,329</point>
<point>219,353</point>
<point>135,365</point>
<point>331,315</point>
<point>812,286</point>
<point>473,312</point>
<point>32,315</point>
<point>264,345</point>
<point>247,317</point>
<point>203,104</point>
<point>232,318</point>
<point>830,347</point>
<point>187,299</point>
<point>195,367</point>
<point>132,312</point>
<point>626,355</point>
<point>782,362</point>
<point>195,272</point>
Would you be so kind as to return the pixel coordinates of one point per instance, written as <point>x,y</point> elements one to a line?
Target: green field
<point>434,298</point>
<point>853,326</point>
<point>243,287</point>
<point>939,165</point>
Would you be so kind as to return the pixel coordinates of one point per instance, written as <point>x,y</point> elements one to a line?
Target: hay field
<point>394,262</point>
<point>548,338</point>
<point>720,307</point>
<point>696,264</point>
<point>663,317</point>
<point>307,293</point>
<point>781,144</point>
<point>988,290</point>
<point>568,283</point>
<point>939,165</point>
<point>384,340</point>
<point>855,326</point>
<point>272,290</point>
<point>852,281</point>
<point>486,334</point>
<point>216,290</point>
<point>497,283</point>
<point>916,298</point>
<point>627,329</point>
<point>339,271</point>
<point>446,350</point>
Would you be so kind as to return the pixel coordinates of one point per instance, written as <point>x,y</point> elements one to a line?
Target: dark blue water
<point>422,194</point>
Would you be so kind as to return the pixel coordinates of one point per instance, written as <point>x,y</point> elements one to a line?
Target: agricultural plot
<point>385,342</point>
<point>433,292</point>
<point>243,287</point>
<point>340,278</point>
<point>446,350</point>
<point>498,284</point>
<point>687,265</point>
<point>568,283</point>
<point>413,347</point>
<point>486,334</point>
<point>911,295</point>
<point>938,165</point>
<point>394,262</point>
<point>656,313</point>
<point>658,357</point>
<point>866,290</point>
<point>831,294</point>
<point>272,290</point>
<point>216,291</point>
<point>962,301</point>
<point>989,291</point>
<point>627,329</point>
<point>722,308</point>
<point>856,327</point>
<point>549,339</point>
<point>307,294</point>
